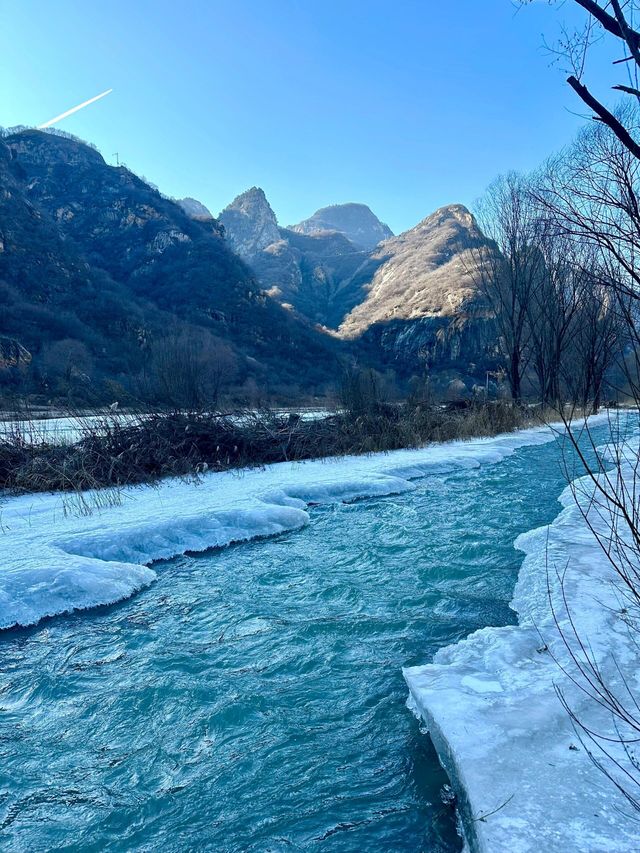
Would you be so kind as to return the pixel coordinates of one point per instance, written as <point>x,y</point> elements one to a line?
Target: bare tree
<point>509,274</point>
<point>596,346</point>
<point>189,371</point>
<point>553,310</point>
<point>615,19</point>
<point>65,363</point>
<point>591,193</point>
<point>535,280</point>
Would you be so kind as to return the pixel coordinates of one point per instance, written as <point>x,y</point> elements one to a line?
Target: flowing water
<point>252,698</point>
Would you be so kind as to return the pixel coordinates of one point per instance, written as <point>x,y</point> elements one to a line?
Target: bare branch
<point>605,116</point>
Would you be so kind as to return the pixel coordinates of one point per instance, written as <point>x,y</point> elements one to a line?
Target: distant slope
<point>408,302</point>
<point>194,208</point>
<point>303,271</point>
<point>250,224</point>
<point>419,304</point>
<point>356,222</point>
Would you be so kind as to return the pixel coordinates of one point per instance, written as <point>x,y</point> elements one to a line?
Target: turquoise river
<point>252,699</point>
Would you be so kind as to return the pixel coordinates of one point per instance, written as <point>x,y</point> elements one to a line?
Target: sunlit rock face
<point>419,299</point>
<point>424,272</point>
<point>408,301</point>
<point>307,272</point>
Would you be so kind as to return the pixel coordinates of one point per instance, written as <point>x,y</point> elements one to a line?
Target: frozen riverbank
<point>522,773</point>
<point>56,559</point>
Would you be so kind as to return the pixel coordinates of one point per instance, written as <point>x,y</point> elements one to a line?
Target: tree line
<point>559,305</point>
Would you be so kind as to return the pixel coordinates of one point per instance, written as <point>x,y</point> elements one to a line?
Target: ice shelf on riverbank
<point>519,766</point>
<point>55,558</point>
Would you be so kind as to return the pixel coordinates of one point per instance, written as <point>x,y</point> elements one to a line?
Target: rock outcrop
<point>424,272</point>
<point>410,301</point>
<point>304,272</point>
<point>420,301</point>
<point>250,224</point>
<point>12,353</point>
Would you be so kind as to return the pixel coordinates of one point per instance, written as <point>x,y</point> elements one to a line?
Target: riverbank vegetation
<point>118,450</point>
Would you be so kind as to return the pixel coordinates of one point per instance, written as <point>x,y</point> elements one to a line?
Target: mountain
<point>325,264</point>
<point>92,257</point>
<point>194,208</point>
<point>305,272</point>
<point>419,297</point>
<point>422,272</point>
<point>99,272</point>
<point>409,300</point>
<point>355,221</point>
<point>250,224</point>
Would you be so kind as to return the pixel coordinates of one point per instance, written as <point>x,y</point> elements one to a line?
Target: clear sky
<point>404,105</point>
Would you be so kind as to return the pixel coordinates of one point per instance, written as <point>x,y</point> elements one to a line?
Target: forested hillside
<point>101,275</point>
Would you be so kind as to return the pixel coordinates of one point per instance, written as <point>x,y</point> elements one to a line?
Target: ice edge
<point>475,695</point>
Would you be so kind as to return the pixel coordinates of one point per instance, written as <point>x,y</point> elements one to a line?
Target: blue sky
<point>405,106</point>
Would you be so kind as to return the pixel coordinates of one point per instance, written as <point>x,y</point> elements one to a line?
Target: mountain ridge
<point>301,271</point>
<point>99,265</point>
<point>436,257</point>
<point>412,296</point>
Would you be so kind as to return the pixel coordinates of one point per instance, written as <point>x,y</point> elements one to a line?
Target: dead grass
<point>114,453</point>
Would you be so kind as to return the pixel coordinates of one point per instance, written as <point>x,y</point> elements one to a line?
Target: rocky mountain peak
<point>449,229</point>
<point>250,223</point>
<point>457,212</point>
<point>356,221</point>
<point>436,257</point>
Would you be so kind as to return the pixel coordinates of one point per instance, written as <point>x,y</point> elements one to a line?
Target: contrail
<point>73,110</point>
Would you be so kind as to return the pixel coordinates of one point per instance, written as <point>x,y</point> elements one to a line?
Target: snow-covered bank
<point>53,559</point>
<point>522,773</point>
